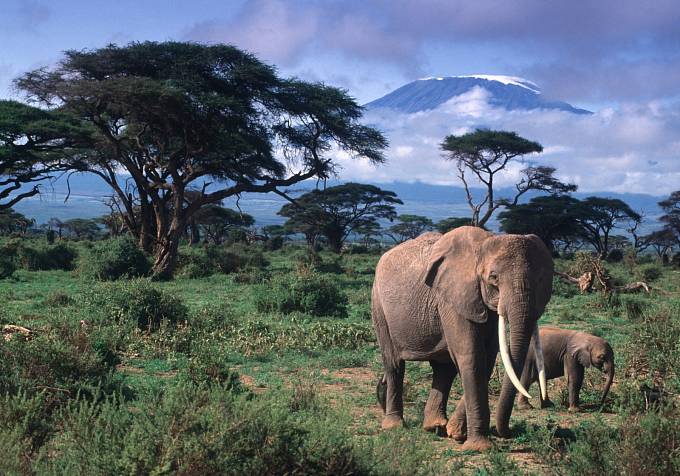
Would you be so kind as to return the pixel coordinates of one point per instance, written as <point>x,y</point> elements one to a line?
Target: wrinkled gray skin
<point>437,298</point>
<point>568,352</point>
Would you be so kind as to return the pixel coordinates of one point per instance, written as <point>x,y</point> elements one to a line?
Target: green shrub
<point>304,292</point>
<point>274,243</point>
<point>7,267</point>
<point>208,365</point>
<point>645,444</point>
<point>135,302</point>
<point>114,259</point>
<point>649,272</point>
<point>58,299</point>
<point>634,307</point>
<point>59,361</point>
<point>33,256</point>
<point>194,263</point>
<point>201,262</point>
<point>615,256</point>
<point>204,430</point>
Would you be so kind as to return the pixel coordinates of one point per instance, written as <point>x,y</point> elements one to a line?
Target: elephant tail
<point>381,392</point>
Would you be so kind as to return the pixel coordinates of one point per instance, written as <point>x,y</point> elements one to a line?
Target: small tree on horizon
<point>409,227</point>
<point>336,212</point>
<point>483,154</point>
<point>447,224</point>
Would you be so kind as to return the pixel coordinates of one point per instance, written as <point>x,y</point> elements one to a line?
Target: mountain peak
<point>514,80</point>
<point>508,92</point>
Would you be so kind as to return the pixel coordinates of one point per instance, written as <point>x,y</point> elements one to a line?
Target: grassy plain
<point>221,386</point>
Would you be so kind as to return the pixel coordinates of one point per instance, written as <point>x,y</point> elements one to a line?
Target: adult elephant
<point>438,298</point>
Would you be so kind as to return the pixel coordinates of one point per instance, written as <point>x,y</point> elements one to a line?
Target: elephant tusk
<point>540,364</point>
<point>505,356</point>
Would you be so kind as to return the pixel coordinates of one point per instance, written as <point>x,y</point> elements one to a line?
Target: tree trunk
<point>166,254</point>
<point>194,235</point>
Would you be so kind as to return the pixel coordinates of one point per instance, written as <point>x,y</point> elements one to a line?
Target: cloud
<point>604,50</point>
<point>630,149</point>
<point>268,28</point>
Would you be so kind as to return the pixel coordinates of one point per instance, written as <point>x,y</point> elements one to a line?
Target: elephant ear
<point>579,349</point>
<point>452,273</point>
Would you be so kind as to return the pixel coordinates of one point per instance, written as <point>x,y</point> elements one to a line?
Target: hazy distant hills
<point>435,201</point>
<point>508,92</point>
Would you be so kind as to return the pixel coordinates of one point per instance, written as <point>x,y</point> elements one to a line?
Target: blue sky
<point>618,58</point>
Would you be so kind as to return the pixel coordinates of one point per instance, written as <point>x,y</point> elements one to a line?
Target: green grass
<point>324,367</point>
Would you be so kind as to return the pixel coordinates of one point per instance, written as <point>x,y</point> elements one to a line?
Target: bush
<point>135,302</point>
<point>40,257</point>
<point>615,256</point>
<point>194,263</point>
<point>204,430</point>
<point>649,272</point>
<point>647,444</point>
<point>114,259</point>
<point>58,299</point>
<point>212,259</point>
<point>274,243</point>
<point>304,291</point>
<point>60,361</point>
<point>7,267</point>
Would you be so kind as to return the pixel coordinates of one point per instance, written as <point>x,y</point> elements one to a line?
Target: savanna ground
<point>269,367</point>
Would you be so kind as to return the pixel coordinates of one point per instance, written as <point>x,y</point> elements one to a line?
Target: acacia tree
<point>33,144</point>
<point>217,222</point>
<point>337,211</point>
<point>551,218</point>
<point>671,207</point>
<point>599,216</point>
<point>409,227</point>
<point>12,221</point>
<point>179,116</point>
<point>447,224</point>
<point>662,241</point>
<point>483,154</point>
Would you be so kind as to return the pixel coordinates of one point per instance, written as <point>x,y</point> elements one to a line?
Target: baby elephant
<point>567,352</point>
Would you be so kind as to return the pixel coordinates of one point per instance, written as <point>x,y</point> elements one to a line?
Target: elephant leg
<point>443,374</point>
<point>575,377</point>
<point>394,403</point>
<point>476,388</point>
<point>457,425</point>
<point>456,428</point>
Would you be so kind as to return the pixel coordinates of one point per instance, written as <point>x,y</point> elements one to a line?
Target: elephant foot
<point>523,404</point>
<point>574,409</point>
<point>547,404</point>
<point>434,422</point>
<point>503,432</point>
<point>392,421</point>
<point>477,444</point>
<point>457,429</point>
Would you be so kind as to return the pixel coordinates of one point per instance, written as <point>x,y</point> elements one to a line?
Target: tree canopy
<point>484,153</point>
<point>337,211</point>
<point>178,116</point>
<point>409,226</point>
<point>551,218</point>
<point>216,222</point>
<point>447,224</point>
<point>566,219</point>
<point>33,144</point>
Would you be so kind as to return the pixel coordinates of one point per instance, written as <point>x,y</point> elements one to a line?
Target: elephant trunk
<point>609,369</point>
<point>521,329</point>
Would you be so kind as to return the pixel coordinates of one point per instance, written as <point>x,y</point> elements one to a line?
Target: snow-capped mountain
<point>509,92</point>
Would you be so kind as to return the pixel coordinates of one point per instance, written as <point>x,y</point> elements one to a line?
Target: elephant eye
<point>493,279</point>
